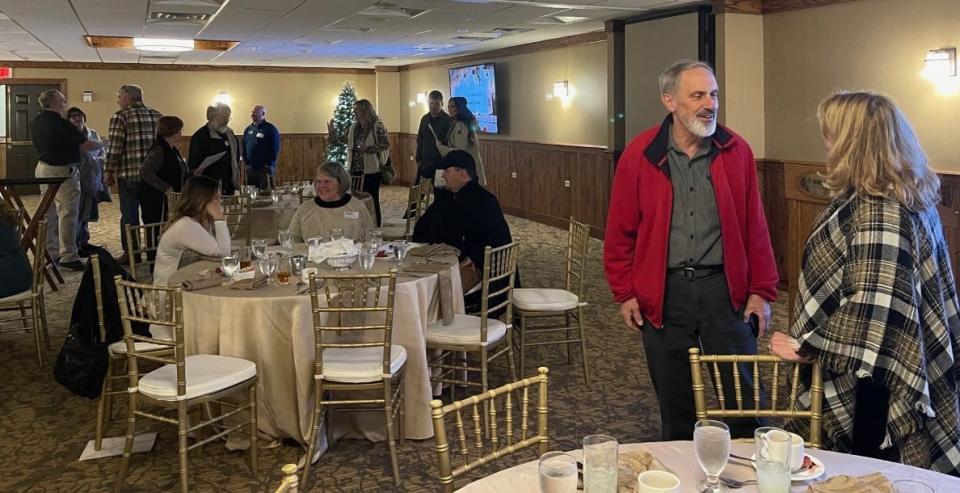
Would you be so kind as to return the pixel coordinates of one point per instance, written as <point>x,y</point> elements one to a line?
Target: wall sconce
<point>940,63</point>
<point>561,89</point>
<point>87,96</point>
<point>223,98</point>
<point>422,98</point>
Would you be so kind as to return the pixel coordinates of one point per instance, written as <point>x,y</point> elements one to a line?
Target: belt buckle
<point>689,273</point>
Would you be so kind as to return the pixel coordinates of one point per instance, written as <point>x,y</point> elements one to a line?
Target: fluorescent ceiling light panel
<point>163,44</point>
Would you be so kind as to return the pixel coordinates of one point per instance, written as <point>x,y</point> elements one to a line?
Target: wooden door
<point>806,197</point>
<point>23,105</point>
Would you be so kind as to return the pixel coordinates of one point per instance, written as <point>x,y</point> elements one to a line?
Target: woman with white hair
<point>877,302</point>
<point>331,208</point>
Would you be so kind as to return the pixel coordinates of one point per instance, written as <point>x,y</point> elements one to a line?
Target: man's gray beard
<point>698,128</point>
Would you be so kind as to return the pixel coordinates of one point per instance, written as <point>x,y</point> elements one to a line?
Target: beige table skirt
<point>273,327</point>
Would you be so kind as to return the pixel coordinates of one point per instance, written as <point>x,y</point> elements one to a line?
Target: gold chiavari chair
<point>543,303</point>
<point>117,355</point>
<point>236,212</point>
<point>142,239</point>
<point>473,452</point>
<point>31,303</point>
<point>399,229</point>
<point>290,483</point>
<point>426,192</point>
<point>183,382</point>
<point>172,199</point>
<point>790,377</point>
<point>356,183</point>
<point>352,326</point>
<point>483,335</point>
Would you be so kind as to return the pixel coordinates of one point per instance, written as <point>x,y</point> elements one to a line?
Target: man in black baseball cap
<point>470,220</point>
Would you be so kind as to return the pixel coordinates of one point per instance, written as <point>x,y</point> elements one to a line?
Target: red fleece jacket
<point>638,222</point>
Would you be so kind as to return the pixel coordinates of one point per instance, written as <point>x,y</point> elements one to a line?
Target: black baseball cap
<point>459,159</point>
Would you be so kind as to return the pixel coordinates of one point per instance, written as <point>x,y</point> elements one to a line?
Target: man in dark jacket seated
<point>470,220</point>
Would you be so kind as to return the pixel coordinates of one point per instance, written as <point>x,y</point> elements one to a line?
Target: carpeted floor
<point>44,428</point>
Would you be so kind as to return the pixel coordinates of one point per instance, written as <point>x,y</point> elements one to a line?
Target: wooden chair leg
<point>254,446</point>
<point>42,309</point>
<point>583,346</point>
<point>567,335</point>
<point>523,343</point>
<point>401,419</point>
<point>314,436</point>
<point>484,386</point>
<point>101,406</point>
<point>23,316</point>
<point>37,332</point>
<point>510,359</point>
<point>391,432</point>
<point>182,425</point>
<point>128,444</point>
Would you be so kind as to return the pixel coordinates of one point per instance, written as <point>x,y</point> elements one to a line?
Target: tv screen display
<point>478,84</point>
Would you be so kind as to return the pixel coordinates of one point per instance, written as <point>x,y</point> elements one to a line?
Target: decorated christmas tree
<point>342,119</point>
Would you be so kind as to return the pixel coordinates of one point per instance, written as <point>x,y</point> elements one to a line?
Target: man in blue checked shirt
<point>261,145</point>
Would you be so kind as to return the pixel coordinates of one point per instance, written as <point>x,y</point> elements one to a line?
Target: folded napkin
<point>202,282</point>
<point>445,286</point>
<point>434,251</point>
<point>871,483</point>
<point>633,463</point>
<point>250,284</point>
<point>335,248</point>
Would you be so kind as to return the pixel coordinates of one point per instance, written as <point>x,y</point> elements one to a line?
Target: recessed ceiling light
<point>163,44</point>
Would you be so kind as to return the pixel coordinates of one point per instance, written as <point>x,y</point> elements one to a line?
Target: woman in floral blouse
<point>367,148</point>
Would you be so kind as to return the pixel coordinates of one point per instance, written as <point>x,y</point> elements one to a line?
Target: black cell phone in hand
<point>754,324</point>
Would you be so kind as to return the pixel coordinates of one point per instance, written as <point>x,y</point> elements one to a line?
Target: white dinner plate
<point>813,473</point>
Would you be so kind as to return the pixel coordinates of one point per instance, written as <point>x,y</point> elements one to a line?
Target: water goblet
<point>400,251</point>
<point>368,256</point>
<point>376,236</point>
<point>711,440</point>
<point>230,265</point>
<point>259,247</point>
<point>252,191</point>
<point>600,464</point>
<point>268,266</point>
<point>285,237</point>
<point>275,196</point>
<point>558,473</point>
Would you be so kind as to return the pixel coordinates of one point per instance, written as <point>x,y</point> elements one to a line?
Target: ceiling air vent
<point>557,20</point>
<point>178,18</point>
<point>433,46</point>
<point>511,30</point>
<point>385,9</point>
<point>476,37</point>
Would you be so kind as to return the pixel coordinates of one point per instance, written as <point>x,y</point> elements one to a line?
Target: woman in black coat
<point>162,170</point>
<point>17,275</point>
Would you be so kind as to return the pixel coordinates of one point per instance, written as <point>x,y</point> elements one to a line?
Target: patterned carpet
<point>44,428</point>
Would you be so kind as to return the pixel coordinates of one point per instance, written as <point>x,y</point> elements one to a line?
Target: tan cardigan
<point>312,221</point>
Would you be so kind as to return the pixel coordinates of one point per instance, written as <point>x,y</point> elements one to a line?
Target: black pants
<point>697,313</point>
<point>259,177</point>
<point>371,185</point>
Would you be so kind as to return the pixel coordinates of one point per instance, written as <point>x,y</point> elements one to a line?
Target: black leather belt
<point>693,273</point>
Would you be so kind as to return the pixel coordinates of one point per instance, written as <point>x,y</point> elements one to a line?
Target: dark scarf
<point>333,204</point>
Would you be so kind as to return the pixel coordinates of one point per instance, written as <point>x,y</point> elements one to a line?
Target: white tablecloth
<point>273,327</point>
<point>682,460</point>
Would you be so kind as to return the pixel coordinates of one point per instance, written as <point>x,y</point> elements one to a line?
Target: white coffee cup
<point>796,452</point>
<point>657,482</point>
<point>305,273</point>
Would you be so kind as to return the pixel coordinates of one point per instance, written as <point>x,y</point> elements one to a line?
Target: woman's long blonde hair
<point>875,151</point>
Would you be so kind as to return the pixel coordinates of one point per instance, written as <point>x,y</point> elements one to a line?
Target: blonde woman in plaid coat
<point>877,302</point>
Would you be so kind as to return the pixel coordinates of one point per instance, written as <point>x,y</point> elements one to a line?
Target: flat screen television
<point>478,83</point>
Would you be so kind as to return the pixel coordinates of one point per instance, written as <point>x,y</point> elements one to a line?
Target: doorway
<point>22,98</point>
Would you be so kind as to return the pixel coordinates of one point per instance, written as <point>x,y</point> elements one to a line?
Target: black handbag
<point>81,368</point>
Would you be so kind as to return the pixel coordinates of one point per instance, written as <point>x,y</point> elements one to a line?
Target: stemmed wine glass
<point>268,266</point>
<point>275,196</point>
<point>252,191</point>
<point>400,251</point>
<point>258,246</point>
<point>368,255</point>
<point>711,439</point>
<point>285,237</point>
<point>230,264</point>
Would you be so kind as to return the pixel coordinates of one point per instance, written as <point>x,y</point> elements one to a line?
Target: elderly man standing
<point>59,145</point>
<point>132,132</point>
<point>261,146</point>
<point>214,150</point>
<point>687,253</point>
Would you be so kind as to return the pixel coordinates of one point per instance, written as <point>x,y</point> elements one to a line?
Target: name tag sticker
<point>351,215</point>
<point>259,135</point>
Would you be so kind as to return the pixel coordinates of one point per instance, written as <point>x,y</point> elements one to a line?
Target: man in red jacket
<point>687,253</point>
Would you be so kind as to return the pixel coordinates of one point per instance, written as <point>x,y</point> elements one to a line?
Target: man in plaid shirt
<point>132,132</point>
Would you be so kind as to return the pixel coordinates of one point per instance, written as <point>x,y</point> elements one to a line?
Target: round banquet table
<point>266,218</point>
<point>273,327</point>
<point>680,457</point>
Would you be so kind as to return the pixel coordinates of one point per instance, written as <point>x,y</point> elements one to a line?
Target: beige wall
<point>868,44</point>
<point>522,84</point>
<point>296,102</point>
<point>652,46</point>
<point>388,99</point>
<point>740,77</point>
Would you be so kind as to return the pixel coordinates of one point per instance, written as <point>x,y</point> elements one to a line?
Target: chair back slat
<point>357,304</point>
<point>426,193</point>
<point>173,198</point>
<point>479,451</point>
<point>578,245</point>
<point>236,213</point>
<point>142,240</point>
<point>711,364</point>
<point>356,183</point>
<point>499,264</point>
<point>155,305</point>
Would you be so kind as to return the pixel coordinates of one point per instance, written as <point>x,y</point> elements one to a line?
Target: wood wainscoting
<point>793,196</point>
<point>547,183</point>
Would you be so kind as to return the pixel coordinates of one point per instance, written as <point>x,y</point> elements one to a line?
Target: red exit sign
<point>6,72</point>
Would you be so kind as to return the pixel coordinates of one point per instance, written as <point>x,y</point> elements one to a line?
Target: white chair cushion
<point>360,365</point>
<point>205,374</point>
<point>465,330</point>
<point>544,300</point>
<point>16,298</point>
<point>161,332</point>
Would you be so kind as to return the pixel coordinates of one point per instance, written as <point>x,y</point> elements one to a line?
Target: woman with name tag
<point>197,227</point>
<point>331,208</point>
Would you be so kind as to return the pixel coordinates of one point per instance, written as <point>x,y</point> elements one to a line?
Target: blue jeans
<point>129,191</point>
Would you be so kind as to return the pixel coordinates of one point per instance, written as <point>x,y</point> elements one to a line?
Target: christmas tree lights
<point>342,120</point>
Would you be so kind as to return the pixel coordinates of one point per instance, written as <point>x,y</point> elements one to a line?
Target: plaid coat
<point>132,133</point>
<point>877,299</point>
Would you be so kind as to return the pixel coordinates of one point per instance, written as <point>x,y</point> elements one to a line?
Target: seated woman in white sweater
<point>197,226</point>
<point>332,208</point>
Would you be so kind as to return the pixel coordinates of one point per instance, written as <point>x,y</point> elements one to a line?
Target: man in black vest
<point>215,151</point>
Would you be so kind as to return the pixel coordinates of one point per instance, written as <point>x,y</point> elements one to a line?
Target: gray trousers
<point>64,212</point>
<point>697,313</point>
